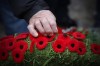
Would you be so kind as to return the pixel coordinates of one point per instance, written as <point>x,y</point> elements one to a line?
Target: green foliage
<point>47,57</point>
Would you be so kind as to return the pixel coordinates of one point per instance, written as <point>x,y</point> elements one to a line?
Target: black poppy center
<point>96,49</point>
<point>72,45</point>
<point>10,44</point>
<point>41,42</point>
<point>80,49</point>
<point>21,46</point>
<point>59,46</point>
<point>17,55</point>
<point>48,36</point>
<point>3,54</point>
<point>65,35</point>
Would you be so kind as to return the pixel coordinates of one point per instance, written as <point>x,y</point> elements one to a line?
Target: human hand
<point>44,21</point>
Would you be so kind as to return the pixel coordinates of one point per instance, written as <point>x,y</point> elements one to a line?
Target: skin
<point>43,21</point>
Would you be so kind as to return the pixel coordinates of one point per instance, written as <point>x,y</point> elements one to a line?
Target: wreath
<point>75,47</point>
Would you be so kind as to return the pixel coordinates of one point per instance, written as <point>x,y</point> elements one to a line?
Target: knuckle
<point>36,23</point>
<point>43,20</point>
<point>31,21</point>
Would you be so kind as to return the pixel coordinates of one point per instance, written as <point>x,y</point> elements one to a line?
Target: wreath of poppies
<point>70,48</point>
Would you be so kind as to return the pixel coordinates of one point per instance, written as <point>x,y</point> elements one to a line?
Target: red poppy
<point>2,44</point>
<point>40,34</point>
<point>72,30</point>
<point>59,46</point>
<point>7,37</point>
<point>41,43</point>
<point>73,45</point>
<point>79,35</point>
<point>9,44</point>
<point>81,49</point>
<point>31,37</point>
<point>50,38</point>
<point>22,45</point>
<point>59,30</point>
<point>21,36</point>
<point>32,46</point>
<point>64,37</point>
<point>4,41</point>
<point>17,55</point>
<point>95,48</point>
<point>3,54</point>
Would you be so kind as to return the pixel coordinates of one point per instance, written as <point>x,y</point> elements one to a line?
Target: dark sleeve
<point>26,8</point>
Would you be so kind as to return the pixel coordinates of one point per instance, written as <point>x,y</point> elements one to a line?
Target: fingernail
<point>36,35</point>
<point>57,29</point>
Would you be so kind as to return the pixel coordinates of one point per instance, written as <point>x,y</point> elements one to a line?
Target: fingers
<point>43,25</point>
<point>44,21</point>
<point>53,25</point>
<point>32,30</point>
<point>46,26</point>
<point>39,26</point>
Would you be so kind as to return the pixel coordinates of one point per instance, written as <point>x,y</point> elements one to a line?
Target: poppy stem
<point>49,50</point>
<point>59,56</point>
<point>48,61</point>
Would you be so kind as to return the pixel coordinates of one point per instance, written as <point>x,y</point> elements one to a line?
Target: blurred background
<point>83,11</point>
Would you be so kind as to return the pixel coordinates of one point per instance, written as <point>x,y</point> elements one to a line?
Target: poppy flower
<point>50,38</point>
<point>73,45</point>
<point>22,45</point>
<point>64,37</point>
<point>32,46</point>
<point>81,49</point>
<point>9,44</point>
<point>79,35</point>
<point>59,46</point>
<point>31,37</point>
<point>59,30</point>
<point>40,34</point>
<point>17,55</point>
<point>6,37</point>
<point>21,36</point>
<point>3,54</point>
<point>2,44</point>
<point>41,43</point>
<point>95,48</point>
<point>5,40</point>
<point>72,30</point>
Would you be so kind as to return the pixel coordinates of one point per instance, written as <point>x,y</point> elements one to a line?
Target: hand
<point>44,21</point>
